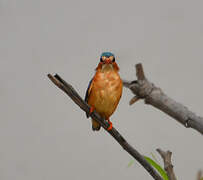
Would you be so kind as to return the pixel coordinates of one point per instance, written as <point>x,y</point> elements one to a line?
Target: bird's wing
<point>88,91</point>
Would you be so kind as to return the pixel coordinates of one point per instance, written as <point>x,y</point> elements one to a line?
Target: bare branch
<point>166,156</point>
<point>133,100</point>
<point>199,175</point>
<point>154,96</point>
<point>140,72</point>
<point>68,89</point>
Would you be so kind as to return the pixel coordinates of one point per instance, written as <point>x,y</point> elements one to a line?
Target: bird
<point>104,90</point>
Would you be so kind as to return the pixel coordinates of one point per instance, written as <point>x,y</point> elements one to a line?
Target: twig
<point>154,96</point>
<point>166,156</point>
<point>133,100</point>
<point>68,89</point>
<point>199,175</point>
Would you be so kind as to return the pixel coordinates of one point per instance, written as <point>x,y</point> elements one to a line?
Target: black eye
<point>101,60</point>
<point>113,59</point>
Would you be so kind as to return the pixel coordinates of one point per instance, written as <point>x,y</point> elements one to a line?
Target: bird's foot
<point>110,125</point>
<point>91,110</point>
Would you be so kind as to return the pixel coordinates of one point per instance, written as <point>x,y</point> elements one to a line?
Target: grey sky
<point>44,135</point>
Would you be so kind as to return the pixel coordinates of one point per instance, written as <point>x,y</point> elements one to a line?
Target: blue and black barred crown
<point>107,54</point>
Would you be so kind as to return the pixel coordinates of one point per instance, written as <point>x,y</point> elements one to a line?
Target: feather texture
<point>104,91</point>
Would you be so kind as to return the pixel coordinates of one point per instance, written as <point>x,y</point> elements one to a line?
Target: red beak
<point>107,61</point>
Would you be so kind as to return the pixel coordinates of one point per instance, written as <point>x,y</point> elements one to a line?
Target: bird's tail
<point>95,125</point>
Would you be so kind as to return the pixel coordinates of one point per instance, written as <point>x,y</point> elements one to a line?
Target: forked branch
<point>144,89</point>
<point>70,91</point>
<point>166,156</point>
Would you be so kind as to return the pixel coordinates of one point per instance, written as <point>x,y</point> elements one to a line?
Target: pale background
<point>45,136</point>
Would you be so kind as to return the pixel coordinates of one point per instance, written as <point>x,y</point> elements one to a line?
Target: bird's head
<point>107,58</point>
<point>107,61</point>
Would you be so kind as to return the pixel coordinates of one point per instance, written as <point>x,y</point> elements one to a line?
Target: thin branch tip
<point>166,156</point>
<point>199,175</point>
<point>54,80</point>
<point>140,72</point>
<point>134,100</point>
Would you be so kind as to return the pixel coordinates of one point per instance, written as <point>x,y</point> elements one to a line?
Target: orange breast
<point>105,93</point>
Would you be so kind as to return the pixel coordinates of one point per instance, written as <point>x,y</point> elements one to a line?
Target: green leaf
<point>155,159</point>
<point>130,163</point>
<point>157,167</point>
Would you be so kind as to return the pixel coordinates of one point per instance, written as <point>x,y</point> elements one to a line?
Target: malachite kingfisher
<point>104,90</point>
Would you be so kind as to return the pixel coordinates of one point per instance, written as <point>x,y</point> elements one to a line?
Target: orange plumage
<point>105,89</point>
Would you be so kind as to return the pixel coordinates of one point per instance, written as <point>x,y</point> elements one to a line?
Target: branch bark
<point>166,156</point>
<point>144,89</point>
<point>199,175</point>
<point>69,90</point>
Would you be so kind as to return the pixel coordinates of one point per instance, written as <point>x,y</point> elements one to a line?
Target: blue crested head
<point>107,54</point>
